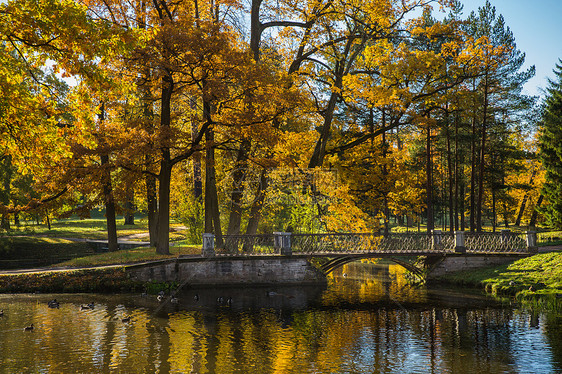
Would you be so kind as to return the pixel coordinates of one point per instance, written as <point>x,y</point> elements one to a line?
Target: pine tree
<point>551,149</point>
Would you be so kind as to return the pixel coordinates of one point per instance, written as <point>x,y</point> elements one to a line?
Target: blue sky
<point>537,27</point>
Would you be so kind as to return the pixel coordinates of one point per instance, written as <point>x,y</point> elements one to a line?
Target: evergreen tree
<point>551,150</point>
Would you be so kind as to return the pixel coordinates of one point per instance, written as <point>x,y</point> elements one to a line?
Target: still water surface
<point>368,320</point>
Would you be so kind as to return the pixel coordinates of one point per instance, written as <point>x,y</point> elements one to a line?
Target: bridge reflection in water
<point>368,321</point>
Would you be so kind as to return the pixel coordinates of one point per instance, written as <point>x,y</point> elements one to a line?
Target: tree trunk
<point>429,181</point>
<point>524,201</point>
<point>237,192</point>
<point>109,208</point>
<point>255,29</point>
<point>212,213</point>
<point>494,216</point>
<point>456,177</point>
<point>150,180</point>
<point>257,205</point>
<point>462,207</point>
<point>109,211</point>
<point>451,179</point>
<point>130,207</point>
<point>473,167</point>
<point>152,210</point>
<point>533,220</point>
<point>482,159</point>
<point>196,159</point>
<point>384,173</point>
<point>6,165</point>
<point>164,178</point>
<point>108,196</point>
<point>317,157</point>
<point>163,225</point>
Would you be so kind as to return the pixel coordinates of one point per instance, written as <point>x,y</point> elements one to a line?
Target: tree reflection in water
<point>368,321</point>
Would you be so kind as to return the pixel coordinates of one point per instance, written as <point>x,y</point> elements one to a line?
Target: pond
<point>367,320</point>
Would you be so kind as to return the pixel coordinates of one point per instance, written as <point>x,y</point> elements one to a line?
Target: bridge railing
<point>505,241</point>
<point>365,243</point>
<point>247,244</point>
<point>355,243</point>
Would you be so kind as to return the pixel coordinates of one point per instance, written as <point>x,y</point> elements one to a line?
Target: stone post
<point>282,243</point>
<point>459,242</point>
<point>208,249</point>
<point>531,241</point>
<point>436,240</point>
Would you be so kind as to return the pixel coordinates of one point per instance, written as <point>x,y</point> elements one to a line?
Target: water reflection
<point>367,320</point>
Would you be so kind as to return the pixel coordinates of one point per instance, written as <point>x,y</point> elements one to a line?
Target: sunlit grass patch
<point>90,228</point>
<point>536,280</point>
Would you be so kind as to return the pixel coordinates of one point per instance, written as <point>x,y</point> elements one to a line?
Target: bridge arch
<point>339,261</point>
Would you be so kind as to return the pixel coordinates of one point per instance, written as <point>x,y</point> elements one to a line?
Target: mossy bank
<point>535,281</point>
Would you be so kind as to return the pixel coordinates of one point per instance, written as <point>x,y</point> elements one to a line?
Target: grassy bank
<point>535,281</point>
<point>81,280</point>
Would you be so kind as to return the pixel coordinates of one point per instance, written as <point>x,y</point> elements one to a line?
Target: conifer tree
<point>551,150</point>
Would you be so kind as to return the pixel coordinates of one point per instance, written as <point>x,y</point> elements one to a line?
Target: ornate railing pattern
<point>247,244</point>
<point>359,243</point>
<point>365,243</point>
<point>495,242</point>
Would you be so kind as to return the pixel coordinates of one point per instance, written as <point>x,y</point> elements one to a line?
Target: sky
<point>537,28</point>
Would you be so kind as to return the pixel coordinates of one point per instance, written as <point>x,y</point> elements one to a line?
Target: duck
<point>1,312</point>
<point>126,319</point>
<point>174,300</point>
<point>91,305</point>
<point>220,299</point>
<point>229,301</point>
<point>160,298</point>
<point>28,328</point>
<point>196,297</point>
<point>53,303</point>
<point>84,307</point>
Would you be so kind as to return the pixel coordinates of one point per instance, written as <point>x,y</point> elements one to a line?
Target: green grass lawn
<point>90,228</point>
<point>536,279</point>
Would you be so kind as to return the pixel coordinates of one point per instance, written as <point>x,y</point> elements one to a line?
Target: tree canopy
<point>264,116</point>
